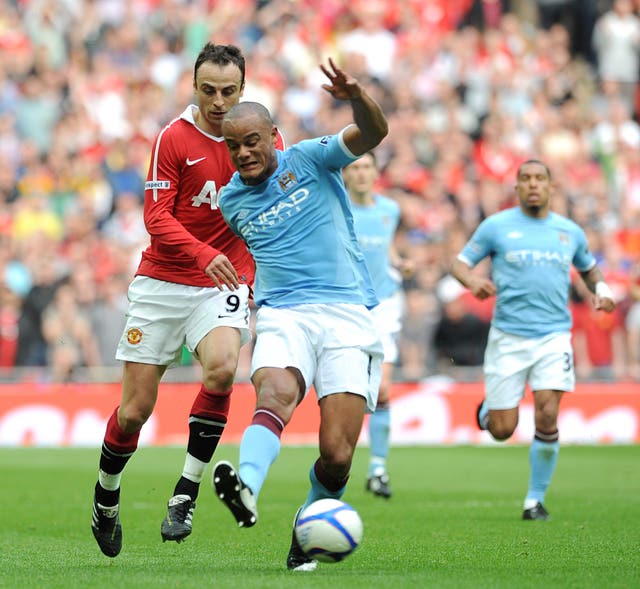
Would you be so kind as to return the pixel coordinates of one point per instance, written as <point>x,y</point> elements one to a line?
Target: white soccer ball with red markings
<point>329,530</point>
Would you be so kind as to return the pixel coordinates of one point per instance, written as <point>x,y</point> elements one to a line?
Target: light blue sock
<point>379,427</point>
<point>483,415</point>
<point>258,450</point>
<point>543,457</point>
<point>319,491</point>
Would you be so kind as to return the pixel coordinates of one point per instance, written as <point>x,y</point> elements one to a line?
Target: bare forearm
<point>461,272</point>
<point>592,277</point>
<point>480,286</point>
<point>594,280</point>
<point>371,125</point>
<point>371,122</point>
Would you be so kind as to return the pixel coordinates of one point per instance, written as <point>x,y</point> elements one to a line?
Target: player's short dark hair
<point>243,109</point>
<point>220,55</point>
<point>534,161</point>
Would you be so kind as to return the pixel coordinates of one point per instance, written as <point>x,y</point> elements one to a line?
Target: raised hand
<point>343,86</point>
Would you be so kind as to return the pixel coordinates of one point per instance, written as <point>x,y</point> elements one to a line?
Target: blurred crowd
<point>471,89</point>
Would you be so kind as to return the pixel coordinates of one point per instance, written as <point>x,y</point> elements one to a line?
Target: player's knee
<point>546,418</point>
<point>501,431</point>
<point>279,397</point>
<point>218,377</point>
<point>500,435</point>
<point>131,418</point>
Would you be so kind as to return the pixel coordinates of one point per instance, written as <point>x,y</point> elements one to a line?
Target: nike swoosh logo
<point>205,435</point>
<point>192,162</point>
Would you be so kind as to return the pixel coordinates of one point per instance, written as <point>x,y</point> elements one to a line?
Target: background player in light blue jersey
<point>376,219</point>
<point>532,250</point>
<point>313,291</point>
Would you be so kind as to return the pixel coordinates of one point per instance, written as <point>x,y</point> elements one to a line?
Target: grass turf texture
<point>453,522</point>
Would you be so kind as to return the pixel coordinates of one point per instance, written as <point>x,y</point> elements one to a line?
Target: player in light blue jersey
<point>313,291</point>
<point>376,219</point>
<point>531,250</point>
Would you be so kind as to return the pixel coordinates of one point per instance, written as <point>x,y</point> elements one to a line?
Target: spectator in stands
<point>616,41</point>
<point>371,39</point>
<point>107,316</point>
<point>598,340</point>
<point>100,99</point>
<point>460,336</point>
<point>632,322</point>
<point>9,316</point>
<point>578,16</point>
<point>32,345</point>
<point>66,329</point>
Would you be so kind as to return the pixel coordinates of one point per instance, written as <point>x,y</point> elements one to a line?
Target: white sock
<point>109,482</point>
<point>193,469</point>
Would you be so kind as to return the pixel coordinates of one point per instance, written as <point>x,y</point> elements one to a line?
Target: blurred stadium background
<point>471,89</point>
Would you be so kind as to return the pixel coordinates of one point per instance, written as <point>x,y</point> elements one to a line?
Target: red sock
<point>118,440</point>
<point>212,404</point>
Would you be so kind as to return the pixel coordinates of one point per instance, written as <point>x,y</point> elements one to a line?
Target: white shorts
<point>512,361</point>
<point>336,347</point>
<point>387,317</point>
<point>162,316</point>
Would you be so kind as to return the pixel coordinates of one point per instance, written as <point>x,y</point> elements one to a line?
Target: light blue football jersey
<point>376,225</point>
<point>531,263</point>
<point>299,228</point>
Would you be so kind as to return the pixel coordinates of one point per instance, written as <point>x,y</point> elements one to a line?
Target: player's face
<point>251,144</point>
<point>534,189</point>
<point>217,89</point>
<point>359,178</point>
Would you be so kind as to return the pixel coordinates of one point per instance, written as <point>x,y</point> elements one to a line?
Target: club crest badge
<point>287,180</point>
<point>134,336</point>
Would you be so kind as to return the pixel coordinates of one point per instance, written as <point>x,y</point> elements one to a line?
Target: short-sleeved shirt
<point>299,228</point>
<point>187,169</point>
<point>376,225</point>
<point>531,263</point>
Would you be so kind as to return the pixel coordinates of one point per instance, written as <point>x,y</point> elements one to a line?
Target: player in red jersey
<point>191,287</point>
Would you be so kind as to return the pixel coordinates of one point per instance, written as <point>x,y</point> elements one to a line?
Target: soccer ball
<point>329,530</point>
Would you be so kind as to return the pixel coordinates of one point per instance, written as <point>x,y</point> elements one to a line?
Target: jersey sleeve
<point>329,152</point>
<point>479,246</point>
<point>583,259</point>
<point>161,192</point>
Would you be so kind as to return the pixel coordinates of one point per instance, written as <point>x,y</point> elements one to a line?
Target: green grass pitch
<point>453,522</point>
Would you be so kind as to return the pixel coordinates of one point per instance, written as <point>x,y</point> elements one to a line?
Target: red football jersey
<point>188,167</point>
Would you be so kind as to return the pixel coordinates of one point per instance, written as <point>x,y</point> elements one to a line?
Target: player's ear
<point>274,135</point>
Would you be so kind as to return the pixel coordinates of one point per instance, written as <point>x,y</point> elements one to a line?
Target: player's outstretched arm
<point>371,125</point>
